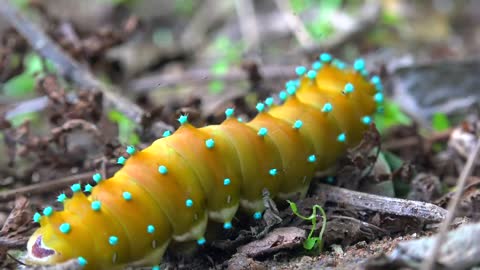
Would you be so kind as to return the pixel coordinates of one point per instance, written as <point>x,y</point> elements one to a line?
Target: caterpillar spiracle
<point>169,190</point>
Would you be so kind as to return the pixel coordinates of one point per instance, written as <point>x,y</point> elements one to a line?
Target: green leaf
<point>216,86</point>
<point>309,243</point>
<point>33,64</point>
<point>392,115</point>
<point>126,128</point>
<point>440,122</point>
<point>220,67</point>
<point>19,86</point>
<point>293,206</point>
<point>19,119</point>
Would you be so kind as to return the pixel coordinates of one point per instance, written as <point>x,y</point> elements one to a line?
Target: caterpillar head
<point>38,252</point>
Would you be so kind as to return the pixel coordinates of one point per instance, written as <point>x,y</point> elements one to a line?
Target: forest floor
<point>81,80</point>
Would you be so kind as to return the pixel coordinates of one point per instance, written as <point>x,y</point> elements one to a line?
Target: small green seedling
<point>312,242</point>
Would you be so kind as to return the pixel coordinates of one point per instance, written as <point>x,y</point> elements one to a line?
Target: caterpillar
<point>169,190</point>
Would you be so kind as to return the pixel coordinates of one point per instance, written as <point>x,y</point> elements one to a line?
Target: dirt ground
<point>80,81</point>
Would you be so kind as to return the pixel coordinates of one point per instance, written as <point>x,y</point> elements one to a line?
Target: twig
<point>197,76</point>
<point>248,24</point>
<point>400,207</point>
<point>429,262</point>
<point>66,66</point>
<point>295,24</point>
<point>49,186</point>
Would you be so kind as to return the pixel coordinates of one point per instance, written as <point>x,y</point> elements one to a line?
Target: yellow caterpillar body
<point>168,191</point>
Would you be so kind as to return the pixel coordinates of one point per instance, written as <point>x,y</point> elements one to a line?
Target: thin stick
<point>394,206</point>
<point>49,186</point>
<point>203,76</point>
<point>429,262</point>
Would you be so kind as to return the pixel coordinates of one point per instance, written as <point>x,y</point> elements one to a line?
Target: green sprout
<point>392,115</point>
<point>126,128</point>
<point>24,83</point>
<point>440,122</point>
<point>312,242</point>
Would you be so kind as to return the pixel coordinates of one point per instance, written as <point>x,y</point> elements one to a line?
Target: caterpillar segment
<point>169,190</point>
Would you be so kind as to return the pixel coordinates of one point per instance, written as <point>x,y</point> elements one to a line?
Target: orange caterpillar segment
<point>171,189</point>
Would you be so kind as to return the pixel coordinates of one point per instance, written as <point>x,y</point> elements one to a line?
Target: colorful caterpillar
<point>169,190</point>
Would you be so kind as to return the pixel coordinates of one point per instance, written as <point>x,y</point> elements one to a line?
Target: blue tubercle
<point>300,70</point>
<point>166,133</point>
<point>339,64</point>
<point>312,158</point>
<point>292,83</point>
<point>226,181</point>
<point>327,107</point>
<point>64,228</point>
<point>229,112</point>
<point>188,203</point>
<point>76,188</point>
<point>282,95</point>
<point>162,169</point>
<point>291,90</point>
<point>262,132</point>
<point>96,205</point>
<point>359,65</point>
<point>82,261</point>
<point>364,73</point>
<point>325,57</point>
<point>201,241</point>
<point>48,211</point>
<point>269,101</point>
<point>156,267</point>
<point>257,215</point>
<point>61,198</point>
<point>342,137</point>
<point>366,120</point>
<point>375,80</point>
<point>378,97</point>
<point>150,229</point>
<point>260,107</point>
<point>227,225</point>
<point>210,143</point>
<point>127,196</point>
<point>37,217</point>
<point>183,119</point>
<point>316,65</point>
<point>298,124</point>
<point>97,177</point>
<point>131,150</point>
<point>121,160</point>
<point>88,188</point>
<point>113,240</point>
<point>273,172</point>
<point>311,74</point>
<point>239,119</point>
<point>348,88</point>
